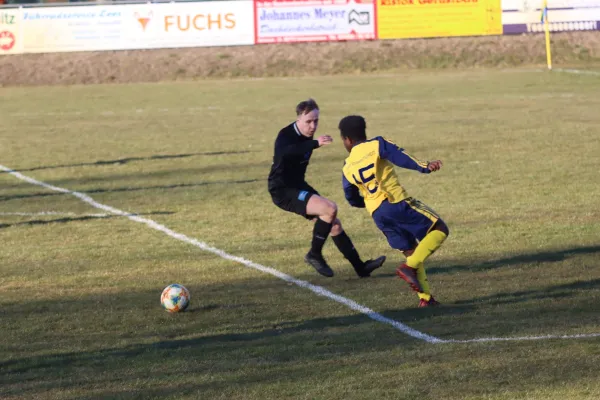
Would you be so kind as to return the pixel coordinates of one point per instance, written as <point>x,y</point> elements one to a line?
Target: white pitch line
<point>68,214</point>
<point>522,338</point>
<point>367,102</point>
<point>28,114</point>
<point>313,288</point>
<point>179,236</point>
<point>578,71</point>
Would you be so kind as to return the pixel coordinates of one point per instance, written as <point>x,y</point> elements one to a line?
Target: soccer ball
<point>175,298</point>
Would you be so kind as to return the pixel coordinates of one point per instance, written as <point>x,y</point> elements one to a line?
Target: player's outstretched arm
<point>399,157</point>
<point>352,194</point>
<point>324,140</point>
<point>284,148</point>
<point>434,165</point>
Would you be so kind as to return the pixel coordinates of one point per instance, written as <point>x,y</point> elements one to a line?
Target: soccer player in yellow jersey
<point>370,182</point>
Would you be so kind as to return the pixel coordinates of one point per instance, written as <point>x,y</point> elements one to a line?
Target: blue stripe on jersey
<point>302,195</point>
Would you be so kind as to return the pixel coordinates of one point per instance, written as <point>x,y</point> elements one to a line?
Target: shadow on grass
<point>316,332</point>
<point>571,293</point>
<point>548,293</point>
<point>529,258</point>
<point>131,159</point>
<point>76,219</point>
<point>129,189</point>
<point>238,338</point>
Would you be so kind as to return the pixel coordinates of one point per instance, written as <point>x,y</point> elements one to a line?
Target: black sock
<point>320,233</point>
<point>344,244</point>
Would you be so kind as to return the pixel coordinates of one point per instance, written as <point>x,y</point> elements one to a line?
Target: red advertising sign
<point>7,40</point>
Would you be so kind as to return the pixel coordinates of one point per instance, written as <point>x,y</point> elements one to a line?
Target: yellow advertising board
<point>398,19</point>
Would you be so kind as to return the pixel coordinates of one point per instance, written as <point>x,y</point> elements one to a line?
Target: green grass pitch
<point>80,292</point>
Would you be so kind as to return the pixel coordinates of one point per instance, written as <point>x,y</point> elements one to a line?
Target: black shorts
<point>294,199</point>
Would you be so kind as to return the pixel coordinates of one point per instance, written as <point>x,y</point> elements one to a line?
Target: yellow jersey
<point>369,177</point>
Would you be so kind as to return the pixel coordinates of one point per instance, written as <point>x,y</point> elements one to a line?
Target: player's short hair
<point>353,127</point>
<point>306,106</point>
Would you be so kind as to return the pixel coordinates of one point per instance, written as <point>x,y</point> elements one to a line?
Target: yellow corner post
<point>547,33</point>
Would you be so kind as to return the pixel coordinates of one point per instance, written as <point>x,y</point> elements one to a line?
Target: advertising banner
<point>524,16</point>
<point>11,41</point>
<point>214,23</point>
<point>314,20</point>
<point>399,19</point>
<point>132,26</point>
<point>57,29</point>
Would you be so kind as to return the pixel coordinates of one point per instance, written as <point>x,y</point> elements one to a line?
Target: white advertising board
<point>132,26</point>
<point>216,23</point>
<point>11,41</point>
<point>523,16</point>
<point>314,20</point>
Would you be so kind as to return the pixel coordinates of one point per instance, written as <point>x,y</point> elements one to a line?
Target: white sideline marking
<point>106,113</point>
<point>578,71</point>
<point>69,214</point>
<point>314,288</point>
<point>508,339</point>
<point>178,111</point>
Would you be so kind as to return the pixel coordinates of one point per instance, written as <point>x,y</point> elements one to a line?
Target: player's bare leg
<point>323,208</point>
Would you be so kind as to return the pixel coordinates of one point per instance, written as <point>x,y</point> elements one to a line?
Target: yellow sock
<point>422,277</point>
<point>430,243</point>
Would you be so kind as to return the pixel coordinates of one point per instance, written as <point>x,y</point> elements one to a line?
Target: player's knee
<point>407,253</point>
<point>331,210</point>
<point>441,226</point>
<point>336,228</point>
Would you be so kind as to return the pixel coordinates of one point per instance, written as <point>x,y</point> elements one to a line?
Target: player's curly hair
<point>353,127</point>
<point>306,106</point>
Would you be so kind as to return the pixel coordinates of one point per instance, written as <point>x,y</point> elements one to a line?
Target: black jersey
<point>290,161</point>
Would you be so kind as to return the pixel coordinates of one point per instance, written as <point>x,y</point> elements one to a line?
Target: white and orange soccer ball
<point>175,298</point>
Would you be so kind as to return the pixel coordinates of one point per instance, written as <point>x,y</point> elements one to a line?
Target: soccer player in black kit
<point>293,148</point>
